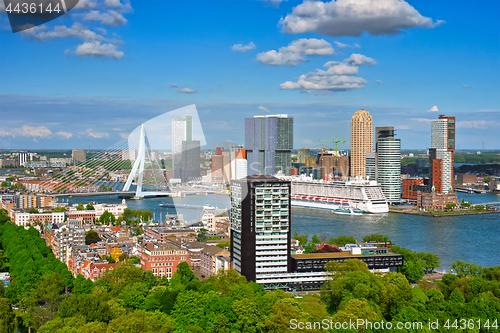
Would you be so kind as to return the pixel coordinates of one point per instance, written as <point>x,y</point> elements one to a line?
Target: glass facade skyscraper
<point>441,153</point>
<point>269,144</point>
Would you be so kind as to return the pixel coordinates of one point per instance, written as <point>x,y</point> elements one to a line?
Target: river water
<point>472,238</point>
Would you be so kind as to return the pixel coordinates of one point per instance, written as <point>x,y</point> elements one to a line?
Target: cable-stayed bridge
<point>135,166</point>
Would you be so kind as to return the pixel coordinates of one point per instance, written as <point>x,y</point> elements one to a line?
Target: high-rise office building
<point>260,226</point>
<point>371,166</point>
<point>333,165</point>
<point>182,138</point>
<point>190,161</point>
<point>269,144</point>
<point>388,163</point>
<point>441,154</point>
<point>23,157</point>
<point>361,141</point>
<point>238,162</point>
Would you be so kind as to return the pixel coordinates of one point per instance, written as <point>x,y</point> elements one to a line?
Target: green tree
<point>413,270</point>
<point>8,321</point>
<point>107,218</point>
<point>92,237</point>
<point>302,238</point>
<point>376,238</point>
<point>89,207</point>
<point>182,276</point>
<point>463,268</point>
<point>315,239</point>
<point>108,259</point>
<point>4,184</point>
<point>309,248</point>
<point>33,211</point>
<point>80,206</point>
<point>59,209</point>
<point>138,231</point>
<point>342,240</point>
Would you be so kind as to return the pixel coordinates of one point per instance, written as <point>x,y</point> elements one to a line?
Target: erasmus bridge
<point>133,167</point>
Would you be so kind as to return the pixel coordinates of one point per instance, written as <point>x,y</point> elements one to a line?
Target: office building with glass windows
<point>441,154</point>
<point>269,144</point>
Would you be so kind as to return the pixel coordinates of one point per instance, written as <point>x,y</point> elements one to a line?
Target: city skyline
<point>126,71</point>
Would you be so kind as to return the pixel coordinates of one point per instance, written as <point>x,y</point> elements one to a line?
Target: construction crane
<point>334,141</point>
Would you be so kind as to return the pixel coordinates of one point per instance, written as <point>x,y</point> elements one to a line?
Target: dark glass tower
<point>269,144</point>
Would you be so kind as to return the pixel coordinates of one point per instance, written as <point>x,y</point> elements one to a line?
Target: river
<point>472,238</point>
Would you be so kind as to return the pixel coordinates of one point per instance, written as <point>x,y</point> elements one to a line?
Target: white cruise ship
<point>358,194</point>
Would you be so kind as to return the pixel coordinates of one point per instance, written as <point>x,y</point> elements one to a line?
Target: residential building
<point>466,179</point>
<point>217,167</point>
<point>410,188</point>
<point>79,155</point>
<point>269,144</point>
<point>260,226</point>
<point>239,165</point>
<point>441,153</point>
<point>208,258</point>
<point>162,259</point>
<point>163,234</point>
<point>331,166</point>
<point>95,271</point>
<point>436,200</point>
<point>361,141</point>
<point>129,154</point>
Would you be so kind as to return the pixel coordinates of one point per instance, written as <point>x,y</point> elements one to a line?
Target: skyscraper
<point>269,144</point>
<point>441,153</point>
<point>388,162</point>
<point>260,226</point>
<point>361,141</point>
<point>182,139</point>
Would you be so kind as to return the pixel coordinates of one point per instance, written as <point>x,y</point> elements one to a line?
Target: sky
<point>90,77</point>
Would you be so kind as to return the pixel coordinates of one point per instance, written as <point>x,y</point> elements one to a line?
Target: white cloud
<point>293,54</point>
<point>97,50</point>
<point>343,46</point>
<point>124,135</point>
<point>402,127</point>
<point>86,4</point>
<point>173,85</point>
<point>243,48</point>
<point>186,90</point>
<point>337,77</point>
<point>353,17</point>
<point>433,109</point>
<point>263,108</point>
<point>421,120</point>
<point>379,82</point>
<point>102,31</point>
<point>27,131</point>
<point>111,18</point>
<point>65,135</point>
<point>97,135</point>
<point>466,86</point>
<point>309,141</point>
<point>357,59</point>
<point>123,7</point>
<point>480,124</point>
<point>77,30</point>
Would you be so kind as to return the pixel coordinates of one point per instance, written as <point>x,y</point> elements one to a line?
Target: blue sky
<point>93,76</point>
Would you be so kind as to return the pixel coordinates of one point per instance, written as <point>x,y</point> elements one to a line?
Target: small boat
<point>348,211</point>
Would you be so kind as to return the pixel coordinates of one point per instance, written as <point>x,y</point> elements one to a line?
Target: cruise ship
<point>359,194</point>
